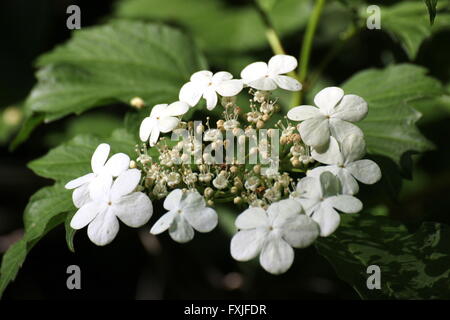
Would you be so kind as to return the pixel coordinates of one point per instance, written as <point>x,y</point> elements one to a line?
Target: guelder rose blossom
<point>187,211</point>
<point>207,85</point>
<point>117,200</point>
<point>163,118</point>
<point>333,116</point>
<point>321,197</point>
<point>102,174</point>
<point>263,76</point>
<point>345,164</point>
<point>271,234</point>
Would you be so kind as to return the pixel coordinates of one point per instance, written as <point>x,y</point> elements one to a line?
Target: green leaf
<point>390,128</point>
<point>72,159</point>
<point>431,5</point>
<point>408,23</point>
<point>44,212</point>
<point>413,265</point>
<point>218,27</point>
<point>113,63</point>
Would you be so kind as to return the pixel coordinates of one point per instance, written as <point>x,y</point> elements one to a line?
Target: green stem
<point>307,47</point>
<point>272,36</point>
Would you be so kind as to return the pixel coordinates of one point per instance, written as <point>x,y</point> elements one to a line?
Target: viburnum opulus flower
<point>321,197</point>
<point>103,171</point>
<point>187,211</point>
<point>333,116</point>
<point>271,234</point>
<point>163,118</point>
<point>263,76</point>
<point>207,85</point>
<point>118,200</point>
<point>345,163</point>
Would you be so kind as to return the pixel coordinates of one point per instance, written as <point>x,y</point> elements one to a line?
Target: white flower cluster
<point>286,209</point>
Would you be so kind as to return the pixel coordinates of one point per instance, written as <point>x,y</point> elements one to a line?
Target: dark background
<point>137,265</point>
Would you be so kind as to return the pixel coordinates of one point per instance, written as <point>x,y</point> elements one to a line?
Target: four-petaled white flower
<point>187,211</point>
<point>333,117</point>
<point>263,76</point>
<point>102,174</point>
<point>321,197</point>
<point>272,234</point>
<point>163,118</point>
<point>207,85</point>
<point>117,200</point>
<point>345,164</point>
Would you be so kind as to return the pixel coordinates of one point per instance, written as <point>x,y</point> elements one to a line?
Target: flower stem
<point>307,46</point>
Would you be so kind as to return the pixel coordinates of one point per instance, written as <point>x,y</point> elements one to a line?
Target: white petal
<point>99,157</point>
<point>283,212</point>
<point>353,148</point>
<point>229,88</point>
<point>341,129</point>
<point>366,171</point>
<point>75,183</point>
<point>246,244</point>
<point>158,110</point>
<point>221,76</point>
<point>281,64</point>
<point>180,230</point>
<point>192,202</point>
<point>304,112</point>
<point>315,131</point>
<point>210,96</point>
<point>327,218</point>
<point>100,186</point>
<point>203,220</point>
<point>175,109</point>
<point>349,184</point>
<point>276,256</point>
<point>317,171</point>
<point>154,136</point>
<point>80,196</point>
<point>85,215</point>
<point>328,154</point>
<point>134,209</point>
<point>287,83</point>
<point>172,201</point>
<point>125,183</point>
<point>167,124</point>
<point>117,164</point>
<point>190,93</point>
<point>163,223</point>
<point>309,187</point>
<point>253,217</point>
<point>203,76</point>
<point>345,203</point>
<point>253,71</point>
<point>266,84</point>
<point>103,229</point>
<point>146,128</point>
<point>328,98</point>
<point>351,108</point>
<point>301,232</point>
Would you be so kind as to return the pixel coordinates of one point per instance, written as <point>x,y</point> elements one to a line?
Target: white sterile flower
<point>102,173</point>
<point>272,234</point>
<point>117,200</point>
<point>333,116</point>
<point>187,211</point>
<point>207,85</point>
<point>321,197</point>
<point>163,118</point>
<point>345,164</point>
<point>263,76</point>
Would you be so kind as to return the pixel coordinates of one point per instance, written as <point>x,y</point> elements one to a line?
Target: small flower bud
<point>260,124</point>
<point>133,164</point>
<point>209,192</point>
<point>210,203</point>
<point>137,102</point>
<point>237,200</point>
